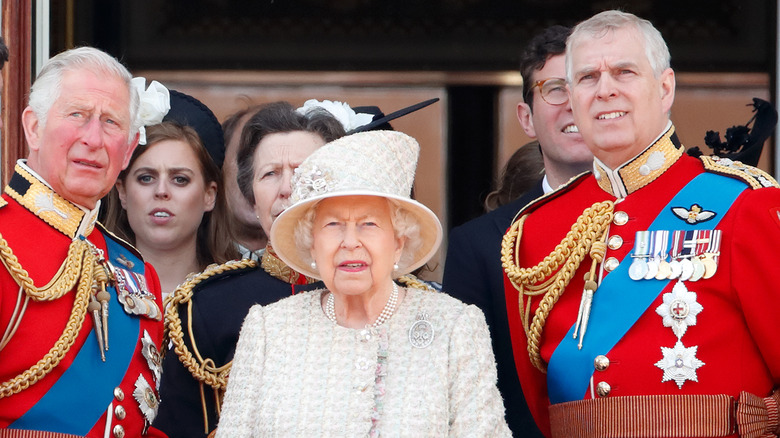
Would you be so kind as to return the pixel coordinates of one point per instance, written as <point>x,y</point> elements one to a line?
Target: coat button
<point>362,363</point>
<point>611,264</point>
<point>119,394</point>
<point>364,335</point>
<point>120,413</point>
<point>603,389</point>
<point>615,242</point>
<point>620,218</point>
<point>601,363</point>
<point>119,431</point>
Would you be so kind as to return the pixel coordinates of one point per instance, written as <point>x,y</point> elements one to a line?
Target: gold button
<point>120,413</point>
<point>603,389</point>
<point>615,242</point>
<point>119,431</point>
<point>119,394</point>
<point>611,264</point>
<point>601,363</point>
<point>621,218</point>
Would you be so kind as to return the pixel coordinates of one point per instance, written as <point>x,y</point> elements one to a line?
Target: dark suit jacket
<point>473,274</point>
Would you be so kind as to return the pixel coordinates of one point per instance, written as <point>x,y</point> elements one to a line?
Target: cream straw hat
<point>372,163</point>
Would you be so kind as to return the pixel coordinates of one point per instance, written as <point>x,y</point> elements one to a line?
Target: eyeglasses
<point>552,90</point>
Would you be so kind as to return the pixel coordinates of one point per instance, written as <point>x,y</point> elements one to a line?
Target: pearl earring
<point>314,265</point>
<point>395,266</point>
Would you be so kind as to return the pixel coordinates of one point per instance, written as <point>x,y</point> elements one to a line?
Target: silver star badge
<point>679,364</point>
<point>679,309</point>
<point>146,398</point>
<point>152,356</point>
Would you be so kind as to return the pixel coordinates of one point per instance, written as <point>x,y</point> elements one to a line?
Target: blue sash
<point>82,394</point>
<point>619,301</point>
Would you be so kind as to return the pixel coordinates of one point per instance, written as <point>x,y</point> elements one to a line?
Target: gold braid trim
<point>551,276</point>
<point>88,260</point>
<point>753,176</point>
<point>62,282</point>
<point>410,280</point>
<point>203,370</point>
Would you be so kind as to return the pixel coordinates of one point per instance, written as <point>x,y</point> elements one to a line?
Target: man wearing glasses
<point>473,271</point>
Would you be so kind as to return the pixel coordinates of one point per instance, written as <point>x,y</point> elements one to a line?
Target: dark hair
<point>524,169</point>
<point>3,53</point>
<point>550,42</point>
<point>232,122</point>
<point>278,117</point>
<point>214,237</point>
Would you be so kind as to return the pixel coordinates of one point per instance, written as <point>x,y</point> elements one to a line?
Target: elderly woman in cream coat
<point>363,357</point>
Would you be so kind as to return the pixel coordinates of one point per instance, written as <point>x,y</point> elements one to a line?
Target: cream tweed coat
<point>297,374</point>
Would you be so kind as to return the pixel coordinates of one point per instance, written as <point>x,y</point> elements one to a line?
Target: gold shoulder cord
<point>553,274</point>
<point>203,370</point>
<point>79,266</point>
<point>409,280</point>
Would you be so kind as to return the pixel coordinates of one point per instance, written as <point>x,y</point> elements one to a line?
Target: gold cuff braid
<point>551,276</point>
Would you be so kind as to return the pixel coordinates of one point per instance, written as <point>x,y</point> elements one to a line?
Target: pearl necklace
<point>387,312</point>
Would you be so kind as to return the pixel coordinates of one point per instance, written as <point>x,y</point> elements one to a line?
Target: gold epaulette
<point>410,280</point>
<point>753,176</point>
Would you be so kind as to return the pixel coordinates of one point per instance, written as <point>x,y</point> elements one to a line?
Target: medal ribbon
<point>677,244</point>
<point>88,374</point>
<point>689,244</point>
<point>643,243</point>
<point>714,246</point>
<point>660,245</point>
<point>703,242</point>
<point>614,311</point>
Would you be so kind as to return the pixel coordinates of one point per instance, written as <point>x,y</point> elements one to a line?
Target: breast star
<point>679,309</point>
<point>679,364</point>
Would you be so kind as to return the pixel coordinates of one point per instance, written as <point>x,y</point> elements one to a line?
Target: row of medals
<point>651,263</point>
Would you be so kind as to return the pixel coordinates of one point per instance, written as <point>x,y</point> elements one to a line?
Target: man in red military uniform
<point>79,310</point>
<point>640,297</point>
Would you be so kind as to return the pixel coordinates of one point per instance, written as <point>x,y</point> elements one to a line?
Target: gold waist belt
<point>667,416</point>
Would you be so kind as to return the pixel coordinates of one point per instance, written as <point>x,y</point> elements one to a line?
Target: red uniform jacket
<point>736,332</point>
<point>94,392</point>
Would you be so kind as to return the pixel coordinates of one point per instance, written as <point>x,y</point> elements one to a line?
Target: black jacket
<point>473,274</point>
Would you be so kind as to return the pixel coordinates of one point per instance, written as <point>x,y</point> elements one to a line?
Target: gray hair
<point>605,22</point>
<point>46,88</point>
<point>405,226</point>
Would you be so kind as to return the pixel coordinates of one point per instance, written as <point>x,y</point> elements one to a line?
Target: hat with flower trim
<point>361,118</point>
<point>372,163</point>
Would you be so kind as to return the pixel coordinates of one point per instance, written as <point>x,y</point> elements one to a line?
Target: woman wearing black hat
<point>169,196</point>
<point>169,201</point>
